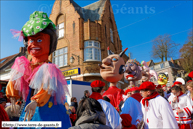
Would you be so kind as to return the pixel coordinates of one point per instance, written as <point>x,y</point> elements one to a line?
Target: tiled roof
<point>6,59</point>
<point>93,11</point>
<point>7,64</point>
<point>148,63</point>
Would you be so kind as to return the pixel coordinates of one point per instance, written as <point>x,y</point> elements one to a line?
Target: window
<point>162,65</point>
<point>111,34</point>
<point>92,51</point>
<point>60,30</point>
<point>73,25</point>
<point>60,57</point>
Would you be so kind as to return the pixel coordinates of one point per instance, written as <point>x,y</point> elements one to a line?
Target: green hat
<point>38,21</point>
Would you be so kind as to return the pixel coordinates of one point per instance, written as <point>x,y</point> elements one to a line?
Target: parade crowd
<point>37,90</point>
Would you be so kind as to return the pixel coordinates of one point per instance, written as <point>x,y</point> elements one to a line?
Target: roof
<point>148,63</point>
<point>7,59</point>
<point>77,8</point>
<point>7,64</point>
<point>93,11</point>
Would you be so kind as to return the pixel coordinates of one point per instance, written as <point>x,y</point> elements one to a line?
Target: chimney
<point>22,50</point>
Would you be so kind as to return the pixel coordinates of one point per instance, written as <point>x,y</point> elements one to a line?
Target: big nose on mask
<point>106,61</point>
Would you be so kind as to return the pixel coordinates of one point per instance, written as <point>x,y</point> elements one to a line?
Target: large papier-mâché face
<point>39,45</point>
<point>132,71</point>
<point>162,79</point>
<point>111,66</point>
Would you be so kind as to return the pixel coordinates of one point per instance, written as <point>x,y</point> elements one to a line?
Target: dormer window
<point>60,30</point>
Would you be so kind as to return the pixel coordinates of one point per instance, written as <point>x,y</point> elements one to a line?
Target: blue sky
<point>135,33</point>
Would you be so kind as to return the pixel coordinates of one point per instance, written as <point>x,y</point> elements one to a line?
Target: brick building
<point>84,35</point>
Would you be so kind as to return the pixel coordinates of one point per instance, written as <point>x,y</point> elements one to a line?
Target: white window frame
<point>94,49</point>
<point>60,30</point>
<point>56,56</point>
<point>111,34</point>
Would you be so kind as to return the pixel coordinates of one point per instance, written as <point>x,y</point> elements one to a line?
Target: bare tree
<point>163,47</point>
<point>186,54</point>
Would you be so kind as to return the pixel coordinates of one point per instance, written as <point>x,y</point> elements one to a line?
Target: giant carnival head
<point>39,35</point>
<point>162,79</point>
<point>147,73</point>
<point>112,67</point>
<point>132,70</point>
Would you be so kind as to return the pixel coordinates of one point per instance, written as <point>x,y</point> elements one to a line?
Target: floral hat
<point>38,21</point>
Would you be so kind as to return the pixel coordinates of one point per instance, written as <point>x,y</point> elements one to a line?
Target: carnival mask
<point>162,79</point>
<point>38,45</point>
<point>112,69</point>
<point>132,70</point>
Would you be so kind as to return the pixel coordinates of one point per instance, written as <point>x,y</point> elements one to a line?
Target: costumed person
<point>188,79</point>
<point>90,115</point>
<point>112,70</point>
<point>157,112</point>
<point>127,94</point>
<point>182,85</point>
<point>182,107</point>
<point>178,83</point>
<point>160,90</point>
<point>132,106</point>
<point>40,83</point>
<point>132,72</point>
<point>126,122</point>
<point>113,119</point>
<point>163,80</point>
<point>189,86</point>
<point>147,73</point>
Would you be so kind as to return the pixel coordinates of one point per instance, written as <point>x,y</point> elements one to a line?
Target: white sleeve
<point>172,104</point>
<point>169,120</point>
<point>112,115</point>
<point>188,109</point>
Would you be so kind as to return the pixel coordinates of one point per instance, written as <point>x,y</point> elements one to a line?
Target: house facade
<point>170,68</point>
<point>84,35</point>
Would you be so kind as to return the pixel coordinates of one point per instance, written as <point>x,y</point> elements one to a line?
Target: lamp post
<point>72,59</point>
